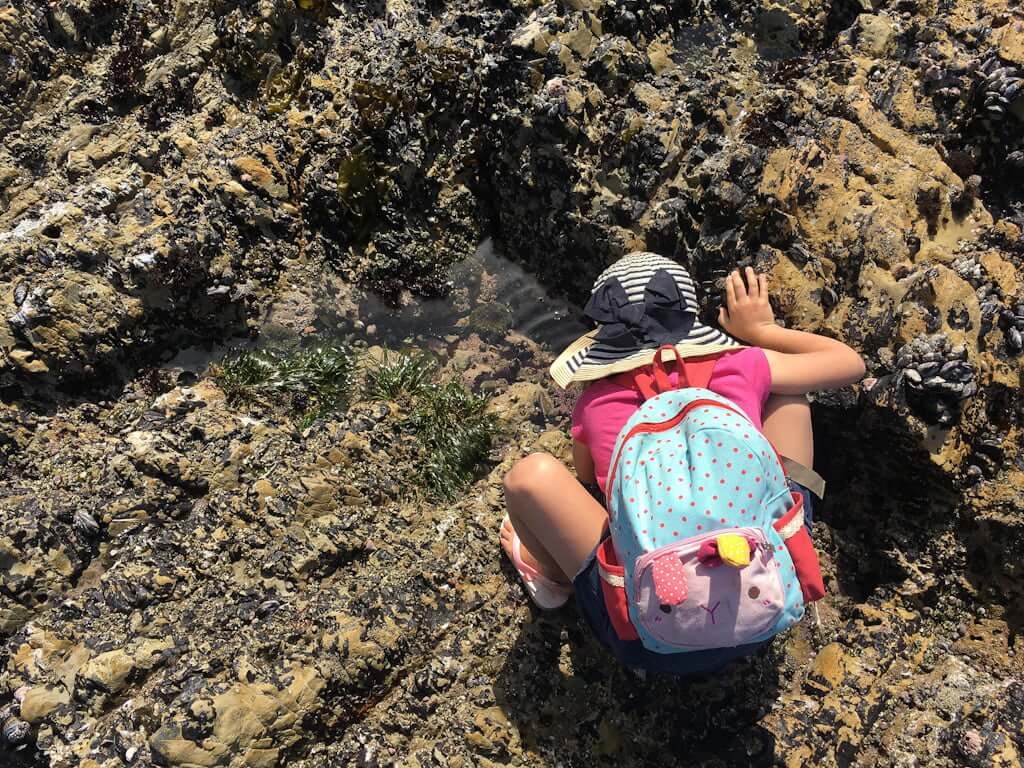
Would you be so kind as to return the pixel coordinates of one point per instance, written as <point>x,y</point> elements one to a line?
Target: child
<point>640,303</point>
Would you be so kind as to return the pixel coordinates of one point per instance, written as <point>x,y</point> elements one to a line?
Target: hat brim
<point>571,367</point>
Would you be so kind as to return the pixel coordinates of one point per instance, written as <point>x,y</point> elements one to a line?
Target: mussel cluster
<point>14,732</point>
<point>937,376</point>
<point>1000,86</point>
<point>1012,323</point>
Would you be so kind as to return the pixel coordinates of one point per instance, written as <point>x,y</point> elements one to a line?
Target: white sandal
<point>545,593</point>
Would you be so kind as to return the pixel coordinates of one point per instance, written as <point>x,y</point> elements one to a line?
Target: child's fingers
<point>723,317</point>
<point>753,287</point>
<point>762,284</point>
<point>730,292</point>
<point>737,285</point>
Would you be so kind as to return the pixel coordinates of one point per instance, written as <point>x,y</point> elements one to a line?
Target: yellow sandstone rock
<point>41,701</point>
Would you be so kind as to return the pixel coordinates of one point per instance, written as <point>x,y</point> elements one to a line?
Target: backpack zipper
<point>694,542</point>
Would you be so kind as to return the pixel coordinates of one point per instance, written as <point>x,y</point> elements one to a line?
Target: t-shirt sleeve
<point>760,373</point>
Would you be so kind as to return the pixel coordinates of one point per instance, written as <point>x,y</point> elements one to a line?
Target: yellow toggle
<point>733,549</point>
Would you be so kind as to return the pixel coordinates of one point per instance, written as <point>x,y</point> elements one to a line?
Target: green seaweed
<point>454,428</point>
<point>281,89</point>
<point>377,103</point>
<point>491,318</point>
<point>305,420</point>
<point>355,179</point>
<point>308,383</point>
<point>425,77</point>
<point>318,10</point>
<point>360,191</point>
<point>399,377</point>
<point>450,424</point>
<point>444,62</point>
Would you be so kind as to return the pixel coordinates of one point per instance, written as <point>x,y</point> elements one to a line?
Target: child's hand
<point>747,313</point>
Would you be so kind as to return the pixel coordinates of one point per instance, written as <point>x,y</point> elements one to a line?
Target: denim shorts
<point>632,653</point>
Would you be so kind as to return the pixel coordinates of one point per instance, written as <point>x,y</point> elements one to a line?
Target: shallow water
<point>536,314</point>
<point>491,296</point>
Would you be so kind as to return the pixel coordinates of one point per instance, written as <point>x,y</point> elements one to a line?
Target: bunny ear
<point>669,577</point>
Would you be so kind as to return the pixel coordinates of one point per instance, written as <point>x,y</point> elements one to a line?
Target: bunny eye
<point>753,592</point>
<point>665,608</point>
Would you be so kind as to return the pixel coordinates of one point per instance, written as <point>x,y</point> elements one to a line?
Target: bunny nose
<point>669,578</point>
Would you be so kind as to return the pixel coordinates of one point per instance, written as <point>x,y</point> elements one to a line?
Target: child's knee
<point>531,473</point>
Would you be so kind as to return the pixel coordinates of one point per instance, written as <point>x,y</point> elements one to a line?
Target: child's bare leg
<point>787,423</point>
<point>557,520</point>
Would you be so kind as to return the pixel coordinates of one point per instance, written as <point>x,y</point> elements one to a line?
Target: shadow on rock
<point>887,505</point>
<point>573,704</point>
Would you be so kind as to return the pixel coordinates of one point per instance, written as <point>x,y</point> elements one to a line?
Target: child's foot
<point>545,592</point>
<point>508,537</point>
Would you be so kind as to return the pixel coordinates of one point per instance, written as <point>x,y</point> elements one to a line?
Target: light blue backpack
<point>702,520</point>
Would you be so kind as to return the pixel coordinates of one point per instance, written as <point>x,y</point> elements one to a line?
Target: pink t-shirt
<point>604,407</point>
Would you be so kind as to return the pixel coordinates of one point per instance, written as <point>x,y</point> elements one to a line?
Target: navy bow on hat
<point>662,319</point>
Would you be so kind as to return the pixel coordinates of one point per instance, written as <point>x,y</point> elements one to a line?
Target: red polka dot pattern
<point>732,481</point>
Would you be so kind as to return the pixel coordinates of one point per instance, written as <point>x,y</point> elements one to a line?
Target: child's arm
<point>584,463</point>
<point>800,362</point>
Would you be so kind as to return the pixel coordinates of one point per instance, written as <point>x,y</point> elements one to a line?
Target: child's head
<point>640,303</point>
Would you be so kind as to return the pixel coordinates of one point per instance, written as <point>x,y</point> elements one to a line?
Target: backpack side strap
<point>794,535</point>
<point>806,476</point>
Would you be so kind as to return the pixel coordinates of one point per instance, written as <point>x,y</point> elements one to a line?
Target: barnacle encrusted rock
<point>191,580</point>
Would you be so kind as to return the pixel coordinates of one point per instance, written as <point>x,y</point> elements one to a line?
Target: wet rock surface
<point>186,580</point>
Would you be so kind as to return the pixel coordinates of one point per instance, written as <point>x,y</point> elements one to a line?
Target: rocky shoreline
<point>191,580</point>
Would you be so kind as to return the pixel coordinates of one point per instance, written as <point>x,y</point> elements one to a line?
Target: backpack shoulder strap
<point>652,379</point>
<point>696,372</point>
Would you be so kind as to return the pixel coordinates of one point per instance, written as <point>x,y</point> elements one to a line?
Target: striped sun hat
<point>640,303</point>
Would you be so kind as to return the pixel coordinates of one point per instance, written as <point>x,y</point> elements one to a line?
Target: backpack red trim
<point>802,553</point>
<point>613,589</point>
<point>651,380</point>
